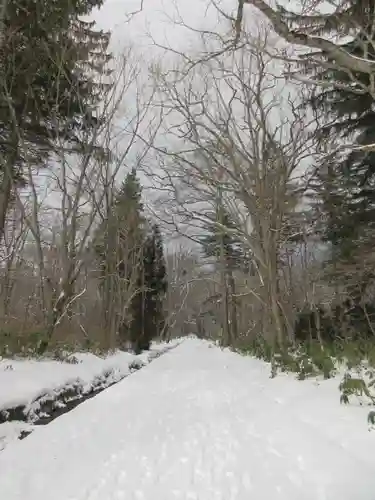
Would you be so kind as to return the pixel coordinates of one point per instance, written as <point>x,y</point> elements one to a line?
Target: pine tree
<point>220,237</point>
<point>132,264</point>
<point>159,282</point>
<point>228,251</point>
<point>119,249</point>
<point>148,320</point>
<point>50,64</point>
<point>130,222</point>
<point>345,182</point>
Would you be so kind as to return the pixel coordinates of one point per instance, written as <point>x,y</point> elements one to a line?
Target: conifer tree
<point>220,243</point>
<point>345,105</point>
<point>119,247</point>
<point>220,237</point>
<point>51,61</point>
<point>130,222</point>
<point>148,320</point>
<point>159,282</point>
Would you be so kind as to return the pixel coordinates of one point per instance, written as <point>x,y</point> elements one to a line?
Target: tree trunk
<point>7,184</point>
<point>232,306</point>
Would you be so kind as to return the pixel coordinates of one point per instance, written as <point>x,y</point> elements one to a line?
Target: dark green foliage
<point>50,64</point>
<point>119,246</point>
<point>345,181</point>
<point>147,306</point>
<point>355,386</point>
<point>259,347</point>
<point>129,196</point>
<point>132,263</point>
<point>121,233</point>
<point>321,358</point>
<point>346,321</point>
<point>296,358</point>
<point>130,222</point>
<point>221,241</point>
<point>315,324</point>
<point>221,235</point>
<point>49,61</point>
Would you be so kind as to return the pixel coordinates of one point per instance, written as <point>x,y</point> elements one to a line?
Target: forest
<point>228,195</point>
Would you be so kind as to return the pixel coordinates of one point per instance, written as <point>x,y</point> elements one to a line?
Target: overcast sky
<point>160,22</point>
<point>157,19</point>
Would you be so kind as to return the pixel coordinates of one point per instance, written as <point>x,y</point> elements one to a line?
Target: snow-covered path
<point>199,424</point>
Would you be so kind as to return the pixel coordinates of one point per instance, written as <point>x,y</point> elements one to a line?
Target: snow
<point>29,379</point>
<point>22,381</point>
<point>30,383</point>
<point>9,431</point>
<point>199,423</point>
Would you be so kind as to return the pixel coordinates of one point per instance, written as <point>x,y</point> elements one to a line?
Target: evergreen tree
<point>50,60</point>
<point>345,182</point>
<point>219,242</point>
<point>147,306</point>
<point>119,247</point>
<point>159,281</point>
<point>130,222</point>
<point>121,235</point>
<point>132,264</point>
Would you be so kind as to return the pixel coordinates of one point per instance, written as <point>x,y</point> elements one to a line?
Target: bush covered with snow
<point>34,391</point>
<point>352,361</point>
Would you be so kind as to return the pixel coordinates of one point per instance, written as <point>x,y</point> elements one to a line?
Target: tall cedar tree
<point>50,65</point>
<point>119,243</point>
<point>148,320</point>
<point>220,240</point>
<point>130,222</point>
<point>220,243</point>
<point>345,183</point>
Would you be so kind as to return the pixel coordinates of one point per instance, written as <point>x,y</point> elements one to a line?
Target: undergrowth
<point>26,346</point>
<point>353,360</point>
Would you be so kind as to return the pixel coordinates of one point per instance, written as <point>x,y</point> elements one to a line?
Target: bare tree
<point>303,28</point>
<point>307,37</point>
<point>81,185</point>
<point>189,289</point>
<point>246,141</point>
<point>15,236</point>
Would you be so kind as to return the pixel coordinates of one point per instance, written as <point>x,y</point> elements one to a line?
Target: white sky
<point>161,23</point>
<point>157,19</point>
<point>157,23</point>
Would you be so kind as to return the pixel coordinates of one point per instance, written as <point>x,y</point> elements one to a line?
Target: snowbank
<point>199,423</point>
<point>31,390</point>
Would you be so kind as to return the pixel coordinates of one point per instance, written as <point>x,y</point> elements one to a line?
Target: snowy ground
<point>29,383</point>
<point>199,424</point>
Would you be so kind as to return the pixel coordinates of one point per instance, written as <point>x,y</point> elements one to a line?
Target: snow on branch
<point>333,51</point>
